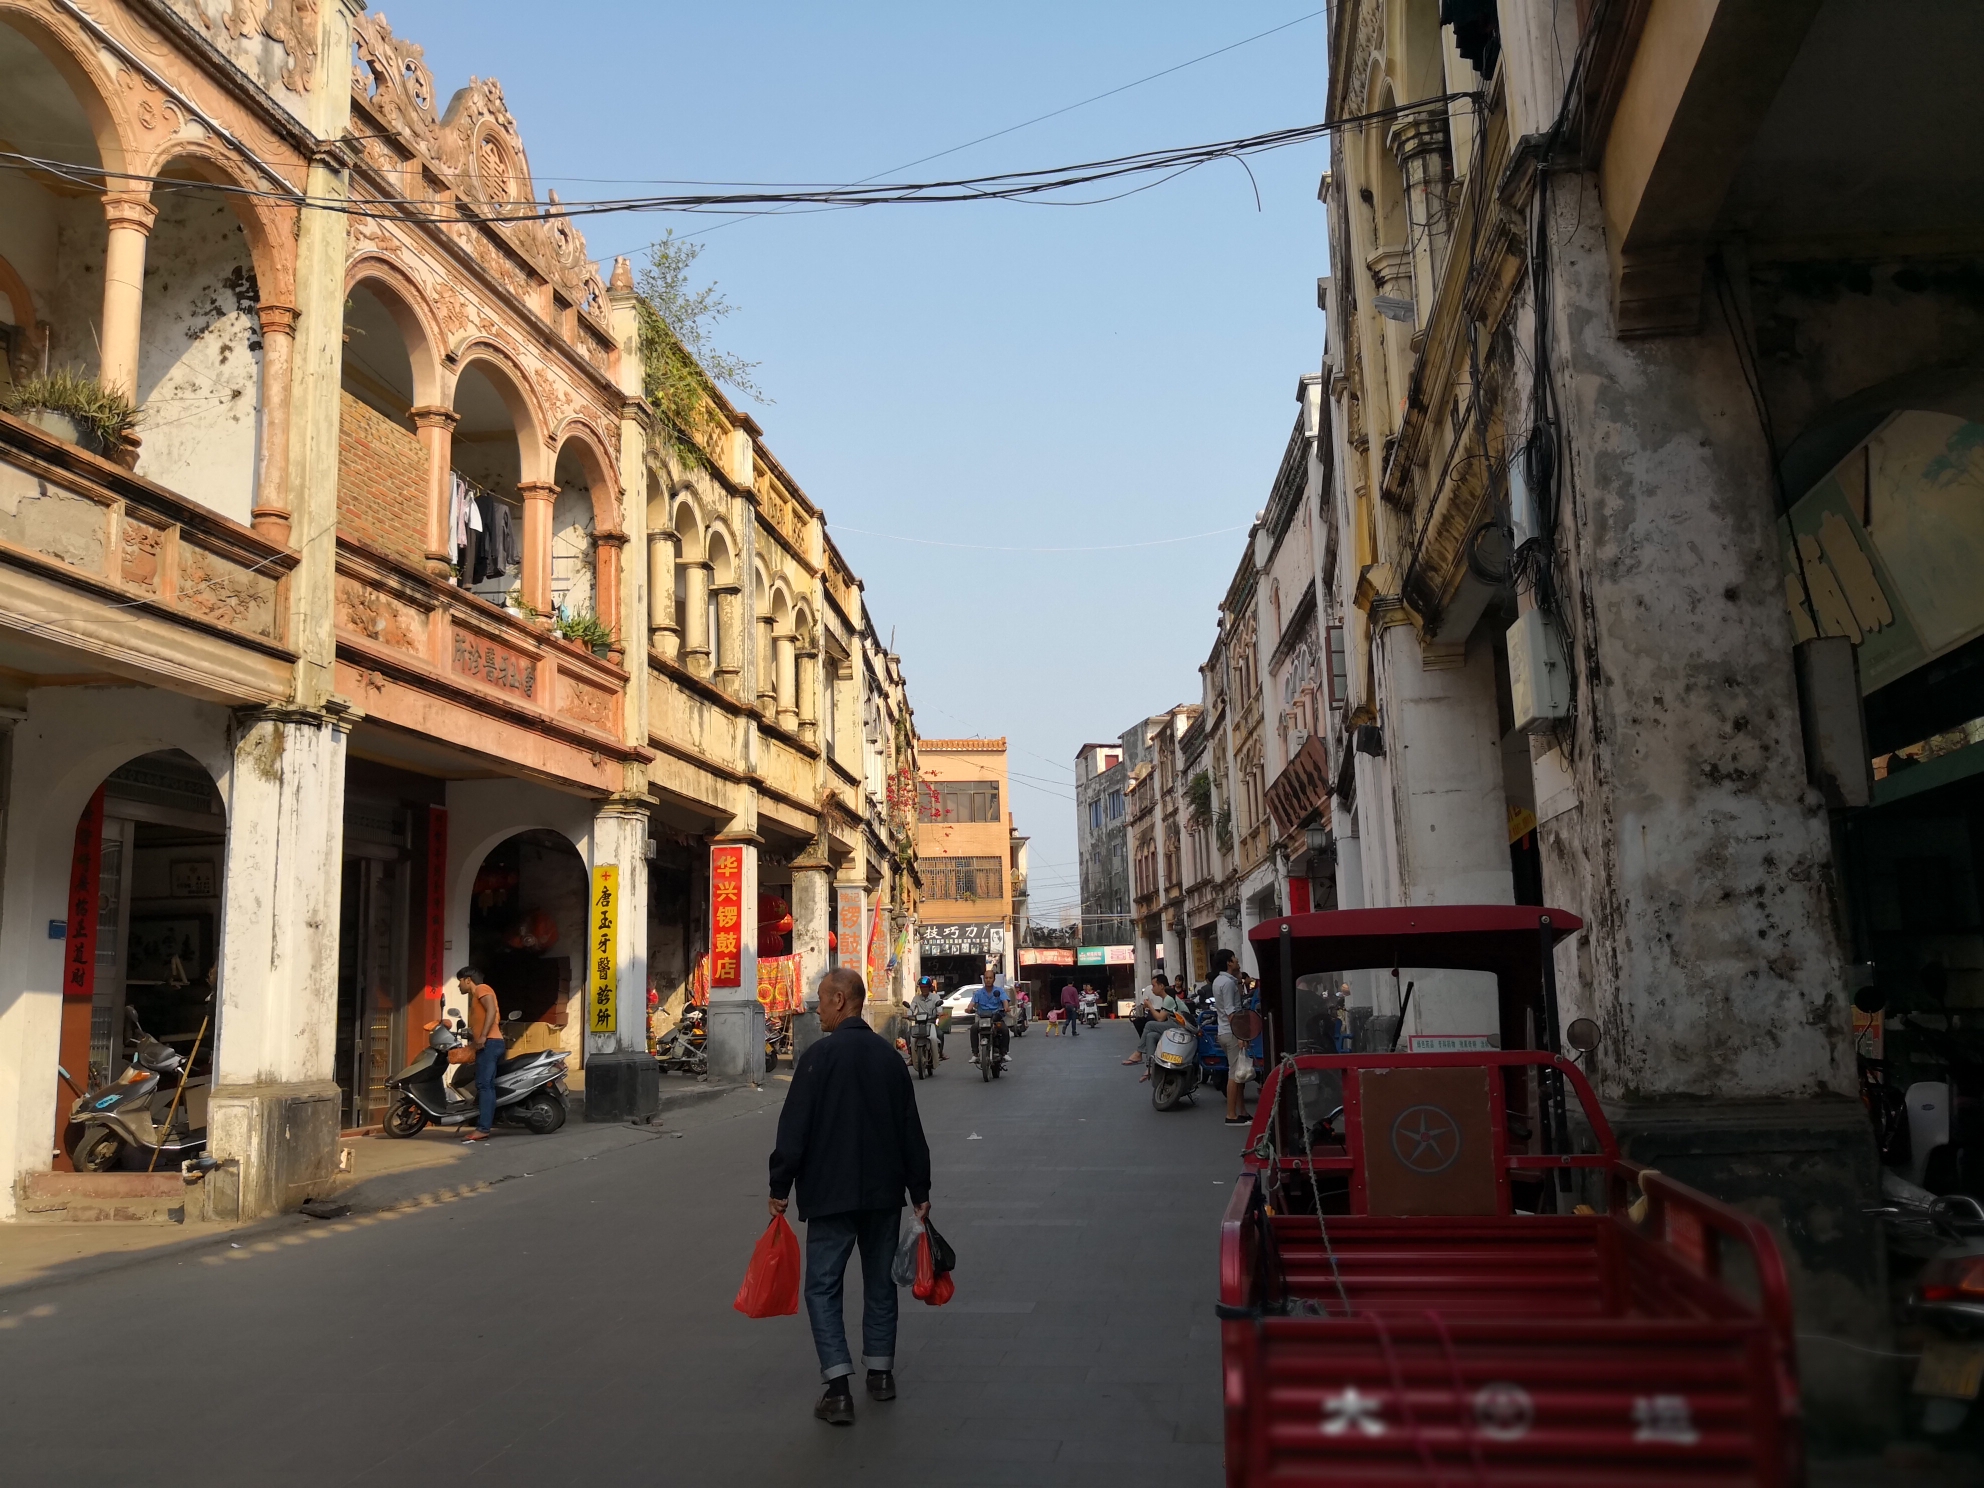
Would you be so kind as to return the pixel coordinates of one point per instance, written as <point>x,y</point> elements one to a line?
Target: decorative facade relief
<point>476,148</point>
<point>273,41</point>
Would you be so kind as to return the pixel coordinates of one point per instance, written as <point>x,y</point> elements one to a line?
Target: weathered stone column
<point>607,548</point>
<point>273,1114</point>
<point>1419,141</point>
<point>130,217</point>
<point>736,1018</point>
<point>810,675</point>
<point>729,671</point>
<point>812,913</point>
<point>436,428</point>
<point>623,1082</point>
<point>696,618</point>
<point>767,687</point>
<point>1696,850</point>
<point>664,635</point>
<point>271,513</point>
<point>784,668</point>
<point>538,497</point>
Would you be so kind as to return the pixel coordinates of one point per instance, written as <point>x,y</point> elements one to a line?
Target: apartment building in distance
<point>965,854</point>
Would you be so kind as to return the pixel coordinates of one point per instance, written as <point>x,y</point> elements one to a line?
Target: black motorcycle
<point>530,1089</point>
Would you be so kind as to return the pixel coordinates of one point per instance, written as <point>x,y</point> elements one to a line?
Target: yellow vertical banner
<point>605,1016</point>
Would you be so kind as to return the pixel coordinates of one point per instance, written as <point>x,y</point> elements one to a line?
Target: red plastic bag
<point>926,1277</point>
<point>942,1291</point>
<point>771,1281</point>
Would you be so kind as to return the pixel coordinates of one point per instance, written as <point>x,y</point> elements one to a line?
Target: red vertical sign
<point>435,906</point>
<point>1298,896</point>
<point>726,916</point>
<point>85,866</point>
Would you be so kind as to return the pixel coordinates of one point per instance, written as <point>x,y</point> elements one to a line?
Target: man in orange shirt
<point>485,1031</point>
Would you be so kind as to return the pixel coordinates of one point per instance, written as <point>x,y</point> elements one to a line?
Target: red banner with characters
<point>781,985</point>
<point>85,866</point>
<point>726,917</point>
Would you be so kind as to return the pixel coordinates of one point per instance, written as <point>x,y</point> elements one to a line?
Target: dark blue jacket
<point>849,1135</point>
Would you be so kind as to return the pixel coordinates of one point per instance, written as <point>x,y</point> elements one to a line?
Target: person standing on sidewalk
<point>1227,997</point>
<point>485,1032</point>
<point>1071,1009</point>
<point>850,1140</point>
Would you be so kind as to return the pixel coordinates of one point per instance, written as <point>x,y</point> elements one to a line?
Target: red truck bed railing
<point>1648,1344</point>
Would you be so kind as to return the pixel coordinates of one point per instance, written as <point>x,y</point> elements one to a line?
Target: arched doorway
<point>527,924</point>
<point>142,953</point>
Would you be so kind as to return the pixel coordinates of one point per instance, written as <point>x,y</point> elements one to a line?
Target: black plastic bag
<point>942,1257</point>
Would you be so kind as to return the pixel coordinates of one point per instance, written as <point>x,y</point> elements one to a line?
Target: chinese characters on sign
<point>726,916</point>
<point>79,961</point>
<point>496,664</point>
<point>847,927</point>
<point>600,950</point>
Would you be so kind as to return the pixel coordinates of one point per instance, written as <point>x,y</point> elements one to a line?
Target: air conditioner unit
<point>1296,740</point>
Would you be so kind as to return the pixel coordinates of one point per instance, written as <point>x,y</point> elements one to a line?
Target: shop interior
<point>527,926</point>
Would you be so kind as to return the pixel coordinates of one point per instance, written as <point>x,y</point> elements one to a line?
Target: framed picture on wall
<point>170,949</point>
<point>193,878</point>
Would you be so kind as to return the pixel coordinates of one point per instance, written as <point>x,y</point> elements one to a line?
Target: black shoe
<point>881,1384</point>
<point>836,1407</point>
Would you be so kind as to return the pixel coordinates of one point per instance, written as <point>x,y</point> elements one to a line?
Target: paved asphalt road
<point>575,1326</point>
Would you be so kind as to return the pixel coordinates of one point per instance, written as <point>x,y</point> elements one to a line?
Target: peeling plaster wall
<point>200,356</point>
<point>74,303</point>
<point>28,217</point>
<point>1697,854</point>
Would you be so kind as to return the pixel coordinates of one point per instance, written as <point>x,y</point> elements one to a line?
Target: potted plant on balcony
<point>584,628</point>
<point>80,410</point>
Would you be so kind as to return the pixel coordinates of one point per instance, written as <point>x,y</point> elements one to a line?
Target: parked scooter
<point>1022,1014</point>
<point>1175,1071</point>
<point>1091,1009</point>
<point>683,1049</point>
<point>530,1089</point>
<point>1948,1302</point>
<point>923,1047</point>
<point>155,1107</point>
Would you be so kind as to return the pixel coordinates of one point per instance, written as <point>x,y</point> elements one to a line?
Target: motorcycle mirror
<point>514,1017</point>
<point>1582,1035</point>
<point>1870,1000</point>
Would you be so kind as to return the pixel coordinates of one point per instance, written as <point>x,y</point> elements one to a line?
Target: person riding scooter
<point>989,1001</point>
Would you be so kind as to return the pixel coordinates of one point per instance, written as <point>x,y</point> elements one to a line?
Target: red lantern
<point>833,941</point>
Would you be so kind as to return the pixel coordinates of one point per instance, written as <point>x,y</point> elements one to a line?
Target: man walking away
<point>485,1032</point>
<point>1227,998</point>
<point>850,1139</point>
<point>1071,1009</point>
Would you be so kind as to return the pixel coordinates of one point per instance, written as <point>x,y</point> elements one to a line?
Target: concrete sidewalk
<point>435,1167</point>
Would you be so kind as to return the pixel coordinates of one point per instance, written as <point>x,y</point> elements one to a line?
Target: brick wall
<point>382,481</point>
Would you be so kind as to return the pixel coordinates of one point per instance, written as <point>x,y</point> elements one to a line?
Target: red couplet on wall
<point>1298,896</point>
<point>726,916</point>
<point>85,865</point>
<point>434,906</point>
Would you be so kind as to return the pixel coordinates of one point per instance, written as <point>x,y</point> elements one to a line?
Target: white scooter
<point>1091,1009</point>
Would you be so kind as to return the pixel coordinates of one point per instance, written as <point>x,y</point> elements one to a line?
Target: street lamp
<point>1317,836</point>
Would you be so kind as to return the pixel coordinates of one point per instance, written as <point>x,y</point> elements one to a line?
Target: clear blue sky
<point>1016,375</point>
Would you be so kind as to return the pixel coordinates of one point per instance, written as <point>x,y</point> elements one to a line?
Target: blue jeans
<point>830,1238</point>
<point>487,1059</point>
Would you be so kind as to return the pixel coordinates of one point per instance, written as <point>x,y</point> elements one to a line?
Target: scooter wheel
<point>96,1150</point>
<point>544,1113</point>
<point>404,1119</point>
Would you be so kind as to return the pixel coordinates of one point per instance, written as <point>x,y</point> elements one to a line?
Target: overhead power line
<point>1040,186</point>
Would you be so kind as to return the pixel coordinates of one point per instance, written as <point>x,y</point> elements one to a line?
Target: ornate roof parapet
<point>476,151</point>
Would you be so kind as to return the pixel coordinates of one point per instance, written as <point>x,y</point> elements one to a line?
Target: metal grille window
<point>961,878</point>
<point>960,801</point>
